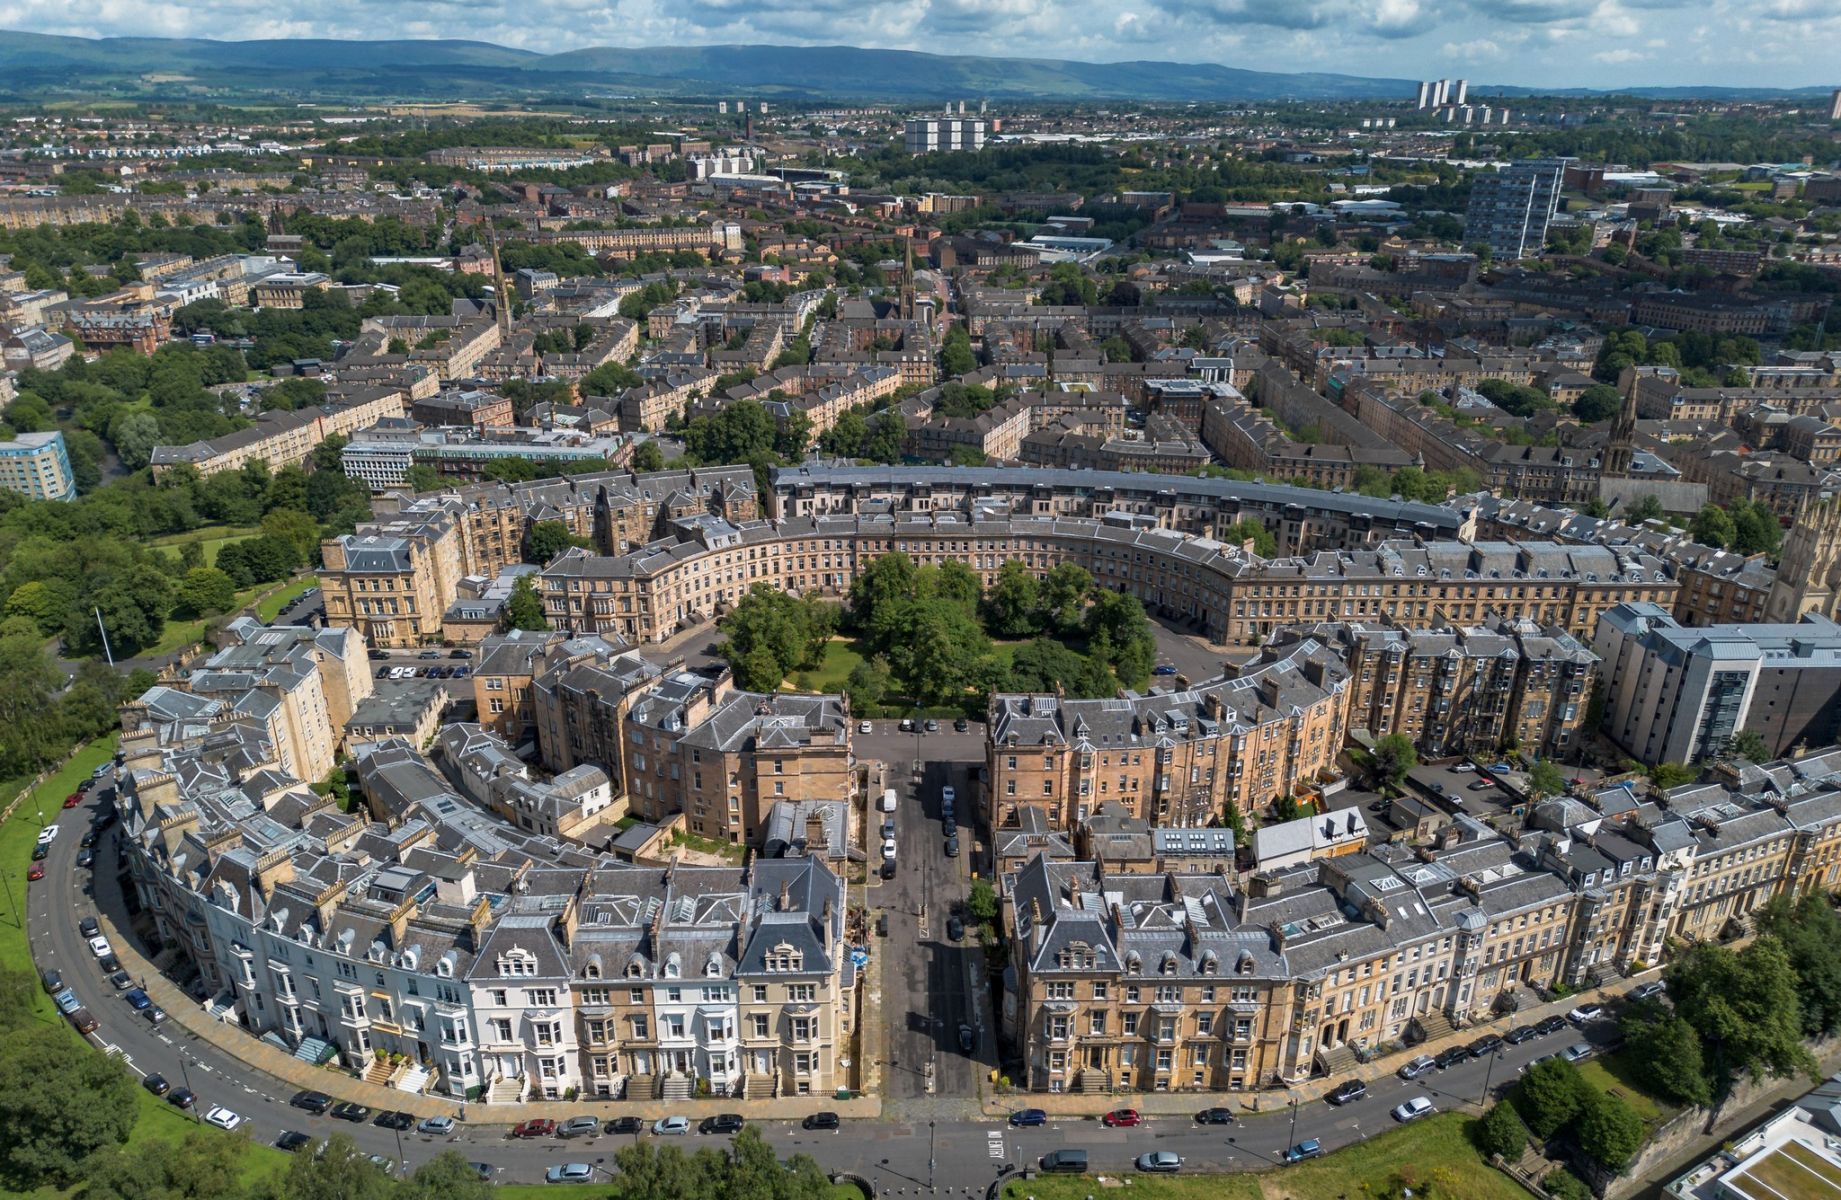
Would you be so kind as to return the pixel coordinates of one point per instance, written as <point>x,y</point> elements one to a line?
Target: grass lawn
<point>1435,1151</point>
<point>270,606</point>
<point>211,537</point>
<point>157,1121</point>
<point>841,658</point>
<point>269,599</point>
<point>562,1191</point>
<point>1614,1073</point>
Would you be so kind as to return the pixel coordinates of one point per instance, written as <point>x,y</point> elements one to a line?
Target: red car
<point>540,1127</point>
<point>72,800</point>
<point>1121,1117</point>
<point>37,872</point>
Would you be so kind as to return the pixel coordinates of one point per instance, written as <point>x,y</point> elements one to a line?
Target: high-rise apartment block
<point>37,466</point>
<point>1510,209</point>
<point>928,135</point>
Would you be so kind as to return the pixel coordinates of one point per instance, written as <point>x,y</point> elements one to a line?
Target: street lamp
<point>1292,1139</point>
<point>1488,1068</point>
<point>930,1158</point>
<point>402,1160</point>
<point>187,1076</point>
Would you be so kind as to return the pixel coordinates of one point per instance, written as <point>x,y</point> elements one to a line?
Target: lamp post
<point>402,1160</point>
<point>186,1074</point>
<point>1488,1069</point>
<point>1292,1138</point>
<point>930,1155</point>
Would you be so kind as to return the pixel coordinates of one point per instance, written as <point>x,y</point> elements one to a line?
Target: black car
<point>968,1041</point>
<point>820,1120</point>
<point>483,1170</point>
<point>1489,1043</point>
<point>949,827</point>
<point>313,1102</point>
<point>88,839</point>
<point>292,1141</point>
<point>398,1121</point>
<point>156,1084</point>
<point>1451,1057</point>
<point>952,846</point>
<point>1549,1025</point>
<point>181,1098</point>
<point>1520,1034</point>
<point>346,1110</point>
<point>40,852</point>
<point>888,868</point>
<point>955,928</point>
<point>86,859</point>
<point>722,1123</point>
<point>54,982</point>
<point>1347,1091</point>
<point>626,1125</point>
<point>1215,1116</point>
<point>961,725</point>
<point>110,965</point>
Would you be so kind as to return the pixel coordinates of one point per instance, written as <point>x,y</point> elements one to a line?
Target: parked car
<point>89,836</point>
<point>72,800</point>
<point>48,835</point>
<point>947,796</point>
<point>35,872</point>
<point>569,1173</point>
<point>1482,785</point>
<point>952,846</point>
<point>293,1140</point>
<point>182,1098</point>
<point>1165,1161</point>
<point>99,946</point>
<point>399,1121</point>
<point>949,827</point>
<point>40,851</point>
<point>154,1014</point>
<point>1489,1043</point>
<point>348,1110</point>
<point>1425,1064</point>
<point>223,1118</point>
<point>865,727</point>
<point>1121,1118</point>
<point>961,725</point>
<point>933,726</point>
<point>1413,1109</point>
<point>1215,1116</point>
<point>1027,1118</point>
<point>1585,1014</point>
<point>109,964</point>
<point>1578,1052</point>
<point>1163,669</point>
<point>722,1123</point>
<point>88,927</point>
<point>955,928</point>
<point>629,1125</point>
<point>1520,1034</point>
<point>121,981</point>
<point>67,1002</point>
<point>1547,1025</point>
<point>671,1126</point>
<point>53,981</point>
<point>138,1000</point>
<point>907,724</point>
<point>576,1127</point>
<point>156,1084</point>
<point>313,1102</point>
<point>1068,1161</point>
<point>1347,1092</point>
<point>1451,1056</point>
<point>86,859</point>
<point>888,847</point>
<point>1309,1148</point>
<point>485,1171</point>
<point>436,1126</point>
<point>821,1121</point>
<point>84,1021</point>
<point>1535,1062</point>
<point>534,1128</point>
<point>1648,991</point>
<point>460,654</point>
<point>1463,767</point>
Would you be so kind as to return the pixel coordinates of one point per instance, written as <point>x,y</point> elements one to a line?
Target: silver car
<point>1165,1161</point>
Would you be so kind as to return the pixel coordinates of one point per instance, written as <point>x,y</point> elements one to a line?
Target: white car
<point>1413,1109</point>
<point>947,795</point>
<point>865,727</point>
<point>888,847</point>
<point>1585,1014</point>
<point>99,946</point>
<point>223,1118</point>
<point>48,835</point>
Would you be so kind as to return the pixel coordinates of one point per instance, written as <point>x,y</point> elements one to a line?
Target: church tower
<point>1809,571</point>
<point>1620,449</point>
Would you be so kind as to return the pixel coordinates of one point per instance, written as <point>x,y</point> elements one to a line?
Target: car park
<point>1425,1064</point>
<point>933,726</point>
<point>1585,1014</point>
<point>821,1121</point>
<point>961,725</point>
<point>722,1123</point>
<point>1489,1043</point>
<point>223,1118</point>
<point>630,1125</point>
<point>1121,1118</point>
<point>1547,1025</point>
<point>671,1126</point>
<point>576,1127</point>
<point>399,1121</point>
<point>569,1173</point>
<point>533,1128</point>
<point>1026,1118</point>
<point>293,1140</point>
<point>1347,1092</point>
<point>1164,1161</point>
<point>347,1110</point>
<point>1215,1116</point>
<point>436,1126</point>
<point>156,1084</point>
<point>1577,1052</point>
<point>313,1102</point>
<point>1413,1109</point>
<point>1309,1148</point>
<point>1520,1034</point>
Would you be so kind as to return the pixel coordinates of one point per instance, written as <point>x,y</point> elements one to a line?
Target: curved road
<point>964,1151</point>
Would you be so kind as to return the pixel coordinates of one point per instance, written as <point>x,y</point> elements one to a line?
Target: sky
<point>1535,43</point>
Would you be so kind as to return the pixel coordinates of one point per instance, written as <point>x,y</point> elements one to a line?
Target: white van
<point>888,800</point>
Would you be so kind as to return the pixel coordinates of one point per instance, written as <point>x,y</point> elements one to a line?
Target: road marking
<point>994,1143</point>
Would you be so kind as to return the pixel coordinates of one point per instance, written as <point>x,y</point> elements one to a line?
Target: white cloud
<point>1615,57</point>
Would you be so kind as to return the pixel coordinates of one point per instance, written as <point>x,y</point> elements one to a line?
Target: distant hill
<point>33,64</point>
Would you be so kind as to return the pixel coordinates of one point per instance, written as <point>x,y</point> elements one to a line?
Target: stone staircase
<point>1093,1079</point>
<point>508,1089</point>
<point>1433,1025</point>
<point>380,1072</point>
<point>1603,975</point>
<point>313,1050</point>
<point>1337,1060</point>
<point>415,1079</point>
<point>758,1087</point>
<point>675,1086</point>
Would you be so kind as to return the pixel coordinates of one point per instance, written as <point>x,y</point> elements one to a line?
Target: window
<point>801,993</point>
<point>640,1028</point>
<point>542,997</point>
<point>761,1021</point>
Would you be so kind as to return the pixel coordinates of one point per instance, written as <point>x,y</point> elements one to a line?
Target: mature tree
<point>524,609</point>
<point>57,1107</point>
<point>447,1176</point>
<point>1646,508</point>
<point>1545,779</point>
<point>793,437</point>
<point>1755,528</point>
<point>1248,530</point>
<point>650,1171</point>
<point>1745,1007</point>
<point>1609,1130</point>
<point>887,580</point>
<point>734,435</point>
<point>937,658</point>
<point>1666,775</point>
<point>770,633</point>
<point>295,527</point>
<point>1712,526</point>
<point>339,1171</point>
<point>206,591</point>
<point>648,457</point>
<point>422,478</point>
<point>956,355</point>
<point>1501,1132</point>
<point>951,581</point>
<point>1665,1052</point>
<point>886,437</point>
<point>133,608</point>
<point>1063,588</point>
<point>203,1166</point>
<point>44,602</point>
<point>29,685</point>
<point>1749,745</point>
<point>1394,756</point>
<point>1044,664</point>
<point>135,435</point>
<point>1011,606</point>
<point>868,684</point>
<point>1811,935</point>
<point>1549,1095</point>
<point>547,539</point>
<point>980,903</point>
<point>1600,402</point>
<point>1119,633</point>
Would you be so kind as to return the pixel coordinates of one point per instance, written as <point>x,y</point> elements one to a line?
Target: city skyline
<point>1599,44</point>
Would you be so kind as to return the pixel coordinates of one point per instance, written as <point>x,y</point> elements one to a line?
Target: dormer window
<point>592,971</point>
<point>785,957</point>
<point>635,969</point>
<point>672,967</point>
<point>1167,965</point>
<point>517,963</point>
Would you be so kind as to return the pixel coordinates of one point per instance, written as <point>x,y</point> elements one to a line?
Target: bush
<point>1550,1095</point>
<point>1501,1132</point>
<point>1609,1130</point>
<point>1562,1184</point>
